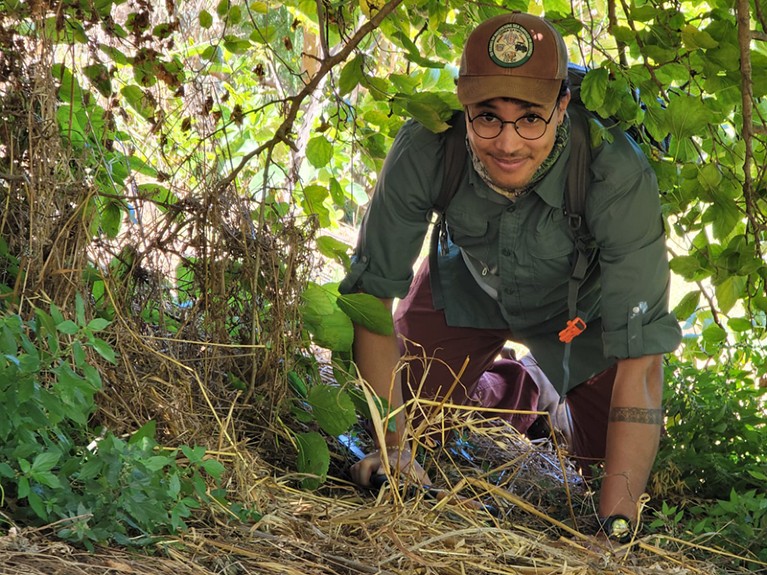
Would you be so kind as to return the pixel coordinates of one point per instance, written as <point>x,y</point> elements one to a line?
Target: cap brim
<point>476,89</point>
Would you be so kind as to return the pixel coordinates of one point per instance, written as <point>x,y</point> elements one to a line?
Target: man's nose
<point>509,140</point>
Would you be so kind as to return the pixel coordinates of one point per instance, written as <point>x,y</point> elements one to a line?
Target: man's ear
<point>564,100</point>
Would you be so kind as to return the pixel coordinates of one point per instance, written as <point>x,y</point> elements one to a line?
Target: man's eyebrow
<point>488,104</point>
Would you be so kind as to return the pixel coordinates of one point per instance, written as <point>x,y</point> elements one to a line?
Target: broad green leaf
<point>710,176</point>
<point>45,461</point>
<point>695,39</point>
<point>367,311</point>
<point>332,408</point>
<point>644,13</point>
<point>68,327</point>
<point>214,468</point>
<point>111,219</point>
<point>114,54</point>
<point>37,505</point>
<point>688,305</point>
<point>206,19</point>
<point>351,75</point>
<point>99,76</point>
<point>714,334</point>
<point>558,6</point>
<point>314,203</point>
<point>688,116</point>
<point>147,431</point>
<point>138,100</point>
<point>729,292</point>
<point>98,324</point>
<point>334,249</point>
<point>739,324</point>
<point>46,478</point>
<point>104,350</point>
<point>686,266</point>
<point>594,88</point>
<point>330,327</point>
<point>319,151</point>
<point>313,459</point>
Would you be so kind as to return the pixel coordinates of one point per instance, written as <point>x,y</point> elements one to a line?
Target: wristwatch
<point>616,527</point>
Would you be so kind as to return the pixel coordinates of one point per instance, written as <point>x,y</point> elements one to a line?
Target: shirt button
<point>506,252</point>
<point>507,291</point>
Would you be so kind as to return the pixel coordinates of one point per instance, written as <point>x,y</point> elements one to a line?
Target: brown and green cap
<point>514,55</point>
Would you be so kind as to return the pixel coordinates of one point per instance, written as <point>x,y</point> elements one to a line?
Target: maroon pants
<point>436,353</point>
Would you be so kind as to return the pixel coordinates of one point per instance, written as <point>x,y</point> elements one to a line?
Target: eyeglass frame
<point>513,123</point>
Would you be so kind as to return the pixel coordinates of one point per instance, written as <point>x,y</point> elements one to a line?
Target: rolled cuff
<point>360,279</point>
<point>636,340</point>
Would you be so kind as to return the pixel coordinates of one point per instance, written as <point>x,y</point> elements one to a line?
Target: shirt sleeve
<point>625,218</point>
<point>394,226</point>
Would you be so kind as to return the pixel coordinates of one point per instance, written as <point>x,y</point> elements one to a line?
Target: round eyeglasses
<point>530,126</point>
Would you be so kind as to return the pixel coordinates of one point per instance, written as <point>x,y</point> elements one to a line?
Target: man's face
<point>509,159</point>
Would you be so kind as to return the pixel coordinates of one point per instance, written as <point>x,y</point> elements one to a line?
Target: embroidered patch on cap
<point>511,45</point>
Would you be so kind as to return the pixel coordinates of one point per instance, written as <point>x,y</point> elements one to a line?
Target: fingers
<point>400,461</point>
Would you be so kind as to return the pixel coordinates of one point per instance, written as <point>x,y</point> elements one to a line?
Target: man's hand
<point>400,460</point>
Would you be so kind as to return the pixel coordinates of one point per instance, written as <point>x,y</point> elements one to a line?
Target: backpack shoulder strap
<point>578,181</point>
<point>454,164</point>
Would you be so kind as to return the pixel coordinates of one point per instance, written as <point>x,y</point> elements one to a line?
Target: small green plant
<point>54,468</point>
<point>334,408</point>
<point>711,468</point>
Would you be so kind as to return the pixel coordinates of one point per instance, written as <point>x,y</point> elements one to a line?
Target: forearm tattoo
<point>637,415</point>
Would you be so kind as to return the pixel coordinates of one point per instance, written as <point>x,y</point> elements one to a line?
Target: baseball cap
<point>514,55</point>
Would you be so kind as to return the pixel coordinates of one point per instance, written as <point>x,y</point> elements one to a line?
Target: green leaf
<point>710,176</point>
<point>98,324</point>
<point>319,151</point>
<point>104,350</point>
<point>45,462</point>
<point>729,292</point>
<point>214,468</point>
<point>80,310</point>
<point>314,203</point>
<point>351,75</point>
<point>46,478</point>
<point>297,384</point>
<point>714,334</point>
<point>313,459</point>
<point>688,305</point>
<point>686,266</point>
<point>333,408</point>
<point>111,219</point>
<point>695,39</point>
<point>739,324</point>
<point>594,88</point>
<point>334,249</point>
<point>146,431</point>
<point>68,327</point>
<point>37,505</point>
<point>367,311</point>
<point>138,100</point>
<point>688,116</point>
<point>99,76</point>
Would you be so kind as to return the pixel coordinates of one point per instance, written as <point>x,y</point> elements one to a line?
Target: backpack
<point>578,180</point>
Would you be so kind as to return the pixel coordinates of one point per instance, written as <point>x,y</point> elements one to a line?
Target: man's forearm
<point>377,357</point>
<point>633,434</point>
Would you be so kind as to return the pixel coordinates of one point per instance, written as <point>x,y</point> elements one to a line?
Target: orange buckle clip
<point>574,328</point>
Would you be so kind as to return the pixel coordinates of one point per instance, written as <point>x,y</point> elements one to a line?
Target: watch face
<point>619,528</point>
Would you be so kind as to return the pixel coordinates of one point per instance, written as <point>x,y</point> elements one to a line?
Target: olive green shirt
<point>528,244</point>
